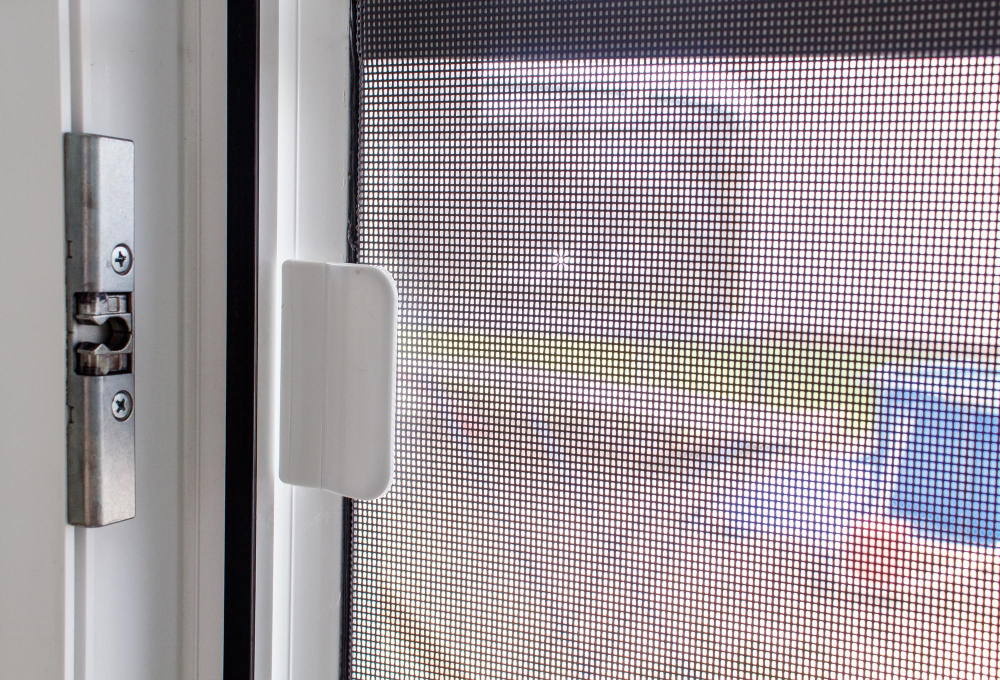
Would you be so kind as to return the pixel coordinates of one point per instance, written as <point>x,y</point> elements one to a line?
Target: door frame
<point>143,596</point>
<point>36,587</point>
<point>304,161</point>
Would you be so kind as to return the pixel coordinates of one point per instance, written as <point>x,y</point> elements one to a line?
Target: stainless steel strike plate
<point>100,287</point>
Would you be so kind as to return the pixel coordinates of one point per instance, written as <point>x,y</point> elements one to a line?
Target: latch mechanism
<point>100,283</point>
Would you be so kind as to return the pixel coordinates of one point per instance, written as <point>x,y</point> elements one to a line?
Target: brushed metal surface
<point>100,203</point>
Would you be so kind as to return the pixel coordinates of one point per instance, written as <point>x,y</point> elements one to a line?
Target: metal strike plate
<point>100,284</point>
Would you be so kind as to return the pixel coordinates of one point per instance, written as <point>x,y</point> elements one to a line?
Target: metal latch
<point>100,283</point>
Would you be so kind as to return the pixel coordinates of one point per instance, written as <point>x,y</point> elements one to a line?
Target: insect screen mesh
<point>698,340</point>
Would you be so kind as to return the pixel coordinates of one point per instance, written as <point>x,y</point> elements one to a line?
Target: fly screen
<point>699,313</point>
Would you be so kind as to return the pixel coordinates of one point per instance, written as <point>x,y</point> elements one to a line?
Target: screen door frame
<point>305,201</point>
<point>304,160</point>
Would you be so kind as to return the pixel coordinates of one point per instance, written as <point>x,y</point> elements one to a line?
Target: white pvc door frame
<point>304,156</point>
<point>36,545</point>
<point>142,598</point>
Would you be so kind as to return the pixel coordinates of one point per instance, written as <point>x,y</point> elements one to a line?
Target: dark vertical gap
<point>241,338</point>
<point>352,256</point>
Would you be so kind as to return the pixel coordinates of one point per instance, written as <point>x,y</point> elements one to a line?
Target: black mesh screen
<point>698,340</point>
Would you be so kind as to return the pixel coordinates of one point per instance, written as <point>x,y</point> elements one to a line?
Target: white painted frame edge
<point>304,147</point>
<point>204,336</point>
<point>37,557</point>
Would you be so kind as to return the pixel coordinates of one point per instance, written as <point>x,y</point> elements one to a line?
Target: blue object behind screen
<point>938,451</point>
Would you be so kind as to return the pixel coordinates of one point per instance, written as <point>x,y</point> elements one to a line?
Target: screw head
<point>121,405</point>
<point>121,259</point>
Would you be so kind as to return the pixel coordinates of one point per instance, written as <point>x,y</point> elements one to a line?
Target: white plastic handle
<point>338,377</point>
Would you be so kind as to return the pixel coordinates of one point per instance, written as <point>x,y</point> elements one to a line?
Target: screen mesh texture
<point>698,340</point>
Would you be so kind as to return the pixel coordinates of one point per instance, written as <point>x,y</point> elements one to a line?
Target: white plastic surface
<point>338,378</point>
<point>36,547</point>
